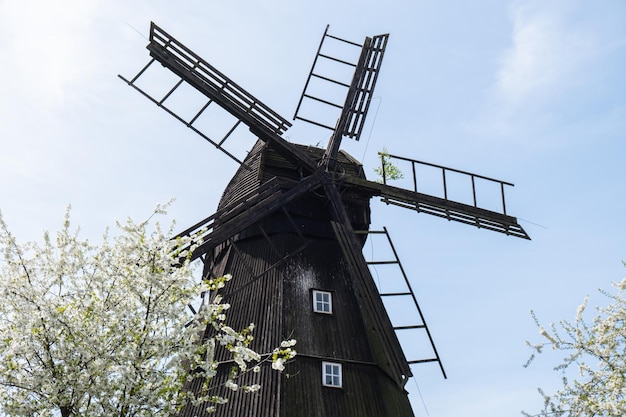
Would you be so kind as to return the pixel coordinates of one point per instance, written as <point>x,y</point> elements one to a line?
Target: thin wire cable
<point>535,224</point>
<point>371,242</point>
<point>421,397</point>
<point>369,136</point>
<point>140,34</point>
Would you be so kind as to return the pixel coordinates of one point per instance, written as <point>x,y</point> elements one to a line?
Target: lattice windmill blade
<point>358,90</point>
<point>218,89</point>
<point>395,285</point>
<point>445,207</point>
<point>362,86</point>
<point>352,119</point>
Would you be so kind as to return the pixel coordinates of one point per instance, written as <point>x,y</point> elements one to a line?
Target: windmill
<point>290,227</point>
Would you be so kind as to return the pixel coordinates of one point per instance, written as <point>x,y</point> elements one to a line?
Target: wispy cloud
<point>546,53</point>
<point>553,78</point>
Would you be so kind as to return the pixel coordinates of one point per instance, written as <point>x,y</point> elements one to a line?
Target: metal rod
<point>169,93</point>
<point>369,232</point>
<point>313,122</point>
<point>445,188</point>
<point>344,40</point>
<point>321,100</point>
<point>451,169</point>
<point>382,160</point>
<point>306,85</point>
<point>425,361</point>
<point>341,61</point>
<point>232,129</point>
<point>419,326</point>
<point>419,310</point>
<point>393,294</point>
<point>474,191</point>
<point>140,72</point>
<point>200,112</point>
<point>330,80</point>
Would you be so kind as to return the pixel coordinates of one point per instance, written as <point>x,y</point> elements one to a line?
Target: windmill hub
<point>312,211</point>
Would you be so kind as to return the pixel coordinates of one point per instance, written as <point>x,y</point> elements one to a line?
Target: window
<point>322,302</point>
<point>331,374</point>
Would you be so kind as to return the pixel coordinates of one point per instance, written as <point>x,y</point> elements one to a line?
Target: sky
<point>529,92</point>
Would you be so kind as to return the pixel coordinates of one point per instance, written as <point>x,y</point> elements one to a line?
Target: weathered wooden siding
<point>272,288</point>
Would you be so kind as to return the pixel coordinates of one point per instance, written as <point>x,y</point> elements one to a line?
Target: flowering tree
<point>597,348</point>
<point>101,330</point>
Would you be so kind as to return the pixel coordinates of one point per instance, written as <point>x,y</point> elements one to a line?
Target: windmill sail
<point>358,91</point>
<point>443,206</point>
<point>391,287</point>
<point>209,81</point>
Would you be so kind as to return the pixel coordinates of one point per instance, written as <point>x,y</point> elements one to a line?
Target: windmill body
<point>287,229</point>
<point>280,263</point>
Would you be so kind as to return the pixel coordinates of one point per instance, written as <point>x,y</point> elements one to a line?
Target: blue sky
<point>530,92</point>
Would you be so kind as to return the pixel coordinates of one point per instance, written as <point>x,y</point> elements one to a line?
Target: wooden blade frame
<point>217,87</point>
<point>212,83</point>
<point>352,119</point>
<point>441,207</point>
<point>359,90</point>
<point>446,208</point>
<point>422,326</point>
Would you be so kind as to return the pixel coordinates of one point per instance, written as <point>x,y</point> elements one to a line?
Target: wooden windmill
<point>290,228</point>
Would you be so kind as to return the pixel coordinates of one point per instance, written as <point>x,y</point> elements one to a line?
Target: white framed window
<point>331,374</point>
<point>322,302</point>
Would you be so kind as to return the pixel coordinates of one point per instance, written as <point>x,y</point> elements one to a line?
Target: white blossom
<point>288,343</point>
<point>581,309</point>
<point>544,333</point>
<point>278,364</point>
<point>594,383</point>
<point>231,385</point>
<point>95,331</point>
<point>252,388</point>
